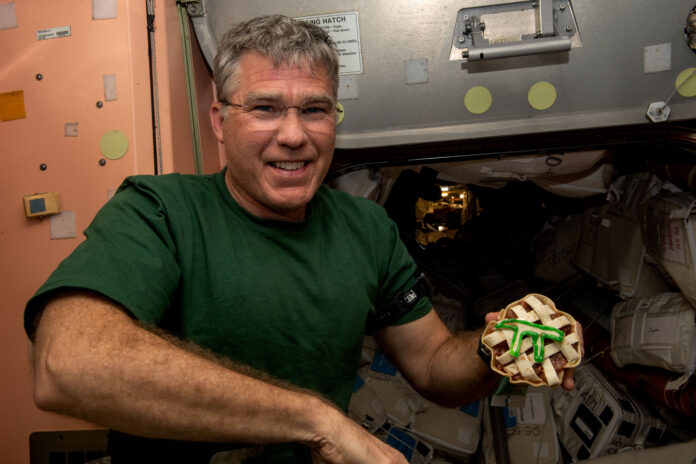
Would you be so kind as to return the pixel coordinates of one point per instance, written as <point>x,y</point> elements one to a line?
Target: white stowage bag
<point>668,224</point>
<point>580,185</point>
<point>549,171</point>
<point>363,183</point>
<point>555,248</point>
<point>610,244</point>
<point>657,331</point>
<point>530,430</point>
<point>453,432</point>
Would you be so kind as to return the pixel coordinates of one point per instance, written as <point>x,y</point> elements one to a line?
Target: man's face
<point>275,167</point>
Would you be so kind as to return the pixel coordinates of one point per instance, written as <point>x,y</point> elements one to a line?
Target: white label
<point>464,435</point>
<point>8,17</point>
<point>347,88</point>
<point>345,31</point>
<point>660,331</point>
<point>657,58</point>
<point>672,239</point>
<point>53,33</point>
<point>534,411</point>
<point>110,92</point>
<point>63,225</point>
<point>71,129</point>
<point>582,426</point>
<point>104,9</point>
<point>540,450</point>
<point>416,71</point>
<point>401,407</point>
<point>376,406</point>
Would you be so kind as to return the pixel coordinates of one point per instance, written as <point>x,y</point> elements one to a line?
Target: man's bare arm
<point>92,361</point>
<point>443,367</point>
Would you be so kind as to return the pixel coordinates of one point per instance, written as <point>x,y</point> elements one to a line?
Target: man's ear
<point>217,119</point>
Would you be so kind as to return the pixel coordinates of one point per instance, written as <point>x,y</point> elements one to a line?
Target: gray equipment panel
<point>610,60</point>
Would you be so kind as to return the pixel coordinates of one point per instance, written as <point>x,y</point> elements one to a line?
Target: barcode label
<point>53,33</point>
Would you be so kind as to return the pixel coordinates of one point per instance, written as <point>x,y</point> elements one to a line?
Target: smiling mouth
<point>289,165</point>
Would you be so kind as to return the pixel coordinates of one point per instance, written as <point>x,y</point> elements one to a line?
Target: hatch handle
<point>532,47</point>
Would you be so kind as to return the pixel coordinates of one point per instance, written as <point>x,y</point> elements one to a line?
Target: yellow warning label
<point>12,105</point>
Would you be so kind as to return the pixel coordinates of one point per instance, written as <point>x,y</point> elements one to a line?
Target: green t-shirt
<point>290,299</point>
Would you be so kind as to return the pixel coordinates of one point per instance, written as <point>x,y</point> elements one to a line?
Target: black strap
<point>484,352</point>
<point>402,304</point>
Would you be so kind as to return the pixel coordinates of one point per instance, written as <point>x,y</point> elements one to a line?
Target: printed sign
<point>345,31</point>
<point>53,33</point>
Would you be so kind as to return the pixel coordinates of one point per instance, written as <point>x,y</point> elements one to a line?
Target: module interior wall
<point>72,70</point>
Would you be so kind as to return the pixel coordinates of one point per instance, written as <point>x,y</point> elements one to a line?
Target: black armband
<point>402,304</point>
<point>484,353</point>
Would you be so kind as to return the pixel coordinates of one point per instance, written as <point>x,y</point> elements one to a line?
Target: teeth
<point>289,165</point>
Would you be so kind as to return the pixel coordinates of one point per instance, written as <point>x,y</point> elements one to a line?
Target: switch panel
<point>41,204</point>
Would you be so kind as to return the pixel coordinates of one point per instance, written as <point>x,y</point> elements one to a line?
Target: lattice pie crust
<point>533,342</point>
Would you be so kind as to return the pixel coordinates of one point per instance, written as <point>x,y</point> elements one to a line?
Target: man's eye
<point>264,109</point>
<point>314,110</point>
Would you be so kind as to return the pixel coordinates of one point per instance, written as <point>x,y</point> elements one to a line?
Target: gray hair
<point>280,38</point>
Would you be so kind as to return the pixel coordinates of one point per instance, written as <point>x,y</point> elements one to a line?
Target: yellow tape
<point>12,105</point>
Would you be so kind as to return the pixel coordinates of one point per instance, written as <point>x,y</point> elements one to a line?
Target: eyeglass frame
<point>283,109</point>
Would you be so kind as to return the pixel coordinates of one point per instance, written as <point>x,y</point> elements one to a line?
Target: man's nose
<point>291,130</point>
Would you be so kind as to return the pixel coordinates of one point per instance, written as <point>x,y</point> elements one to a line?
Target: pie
<point>533,342</point>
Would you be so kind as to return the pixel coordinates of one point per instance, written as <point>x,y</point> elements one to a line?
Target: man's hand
<point>348,443</point>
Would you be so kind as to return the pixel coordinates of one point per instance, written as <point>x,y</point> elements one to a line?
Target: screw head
<point>39,76</point>
<point>43,166</point>
<point>102,162</point>
<point>562,6</point>
<point>100,104</point>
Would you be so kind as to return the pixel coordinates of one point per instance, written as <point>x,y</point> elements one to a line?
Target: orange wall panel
<point>72,70</point>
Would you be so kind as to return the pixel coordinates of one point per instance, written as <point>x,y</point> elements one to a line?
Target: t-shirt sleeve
<point>128,256</point>
<point>399,276</point>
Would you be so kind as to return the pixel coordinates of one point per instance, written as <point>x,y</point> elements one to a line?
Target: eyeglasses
<point>315,112</point>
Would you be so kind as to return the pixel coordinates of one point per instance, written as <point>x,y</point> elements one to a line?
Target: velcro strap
<point>402,304</point>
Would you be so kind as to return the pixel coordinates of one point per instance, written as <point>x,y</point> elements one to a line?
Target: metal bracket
<point>513,29</point>
<point>194,8</point>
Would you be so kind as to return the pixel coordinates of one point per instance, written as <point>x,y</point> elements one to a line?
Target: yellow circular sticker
<point>542,95</point>
<point>340,113</point>
<point>113,144</point>
<point>478,99</point>
<point>686,83</point>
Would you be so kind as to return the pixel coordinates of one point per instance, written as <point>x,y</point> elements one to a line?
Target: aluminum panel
<point>600,82</point>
